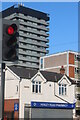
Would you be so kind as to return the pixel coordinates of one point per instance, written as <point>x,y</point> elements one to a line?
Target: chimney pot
<point>62,70</point>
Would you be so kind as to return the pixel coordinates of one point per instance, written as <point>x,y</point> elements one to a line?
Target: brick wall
<point>9,107</point>
<point>71,71</point>
<point>71,58</point>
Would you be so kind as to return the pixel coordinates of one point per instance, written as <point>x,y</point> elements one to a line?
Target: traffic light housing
<point>10,36</point>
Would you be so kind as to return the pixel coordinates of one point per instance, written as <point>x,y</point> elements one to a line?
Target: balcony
<point>29,65</point>
<point>29,18</point>
<point>47,52</point>
<point>28,53</point>
<point>34,42</point>
<point>48,40</point>
<point>28,59</point>
<point>47,45</point>
<point>33,31</point>
<point>10,16</point>
<point>33,37</point>
<point>26,47</point>
<point>34,26</point>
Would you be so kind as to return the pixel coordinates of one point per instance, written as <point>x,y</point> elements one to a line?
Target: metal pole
<point>3,86</point>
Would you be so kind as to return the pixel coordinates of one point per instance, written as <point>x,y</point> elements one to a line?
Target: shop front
<point>49,110</point>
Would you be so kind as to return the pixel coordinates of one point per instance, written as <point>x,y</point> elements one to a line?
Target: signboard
<point>52,105</point>
<point>16,106</point>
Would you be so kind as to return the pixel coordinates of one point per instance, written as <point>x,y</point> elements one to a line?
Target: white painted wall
<point>49,90</point>
<point>11,84</point>
<point>47,95</point>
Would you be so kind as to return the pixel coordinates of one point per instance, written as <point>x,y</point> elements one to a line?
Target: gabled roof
<point>72,81</point>
<point>29,73</point>
<point>23,72</point>
<point>55,77</point>
<point>51,76</point>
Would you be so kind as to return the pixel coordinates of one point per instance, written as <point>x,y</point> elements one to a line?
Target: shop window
<point>36,87</point>
<point>62,89</point>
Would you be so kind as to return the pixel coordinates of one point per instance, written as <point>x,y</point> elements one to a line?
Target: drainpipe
<point>19,96</point>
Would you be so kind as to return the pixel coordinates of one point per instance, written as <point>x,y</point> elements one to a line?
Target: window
<point>77,70</point>
<point>17,88</point>
<point>75,57</point>
<point>41,63</point>
<point>62,89</point>
<point>36,87</point>
<point>78,57</point>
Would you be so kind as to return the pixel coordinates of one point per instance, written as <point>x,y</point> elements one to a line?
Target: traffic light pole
<point>3,86</point>
<point>9,34</point>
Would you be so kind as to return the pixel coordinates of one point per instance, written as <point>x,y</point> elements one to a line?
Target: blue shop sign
<point>16,106</point>
<point>52,105</point>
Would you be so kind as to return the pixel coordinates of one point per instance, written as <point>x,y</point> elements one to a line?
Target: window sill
<point>63,95</point>
<point>37,93</point>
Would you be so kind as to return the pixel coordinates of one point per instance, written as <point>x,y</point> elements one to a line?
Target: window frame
<point>41,63</point>
<point>63,89</point>
<point>36,87</point>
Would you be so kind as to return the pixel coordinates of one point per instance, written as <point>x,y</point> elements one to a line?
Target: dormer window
<point>36,86</point>
<point>62,89</point>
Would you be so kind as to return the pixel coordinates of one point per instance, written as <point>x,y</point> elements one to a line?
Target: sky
<point>63,24</point>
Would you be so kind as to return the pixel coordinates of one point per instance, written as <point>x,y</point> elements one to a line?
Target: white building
<point>71,62</point>
<point>38,94</point>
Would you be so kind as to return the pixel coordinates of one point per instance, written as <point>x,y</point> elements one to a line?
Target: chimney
<point>62,70</point>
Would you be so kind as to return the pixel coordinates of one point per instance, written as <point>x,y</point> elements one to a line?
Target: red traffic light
<point>11,29</point>
<point>10,36</point>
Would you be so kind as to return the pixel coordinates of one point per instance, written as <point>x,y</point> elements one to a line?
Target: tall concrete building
<point>33,36</point>
<point>70,60</point>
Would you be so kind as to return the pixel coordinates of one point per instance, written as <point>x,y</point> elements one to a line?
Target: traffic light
<point>10,41</point>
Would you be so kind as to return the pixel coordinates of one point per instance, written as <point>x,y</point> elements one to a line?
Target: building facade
<point>71,62</point>
<point>33,34</point>
<point>38,94</point>
<point>68,59</point>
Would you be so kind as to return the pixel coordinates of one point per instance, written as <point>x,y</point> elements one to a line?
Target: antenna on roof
<point>20,4</point>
